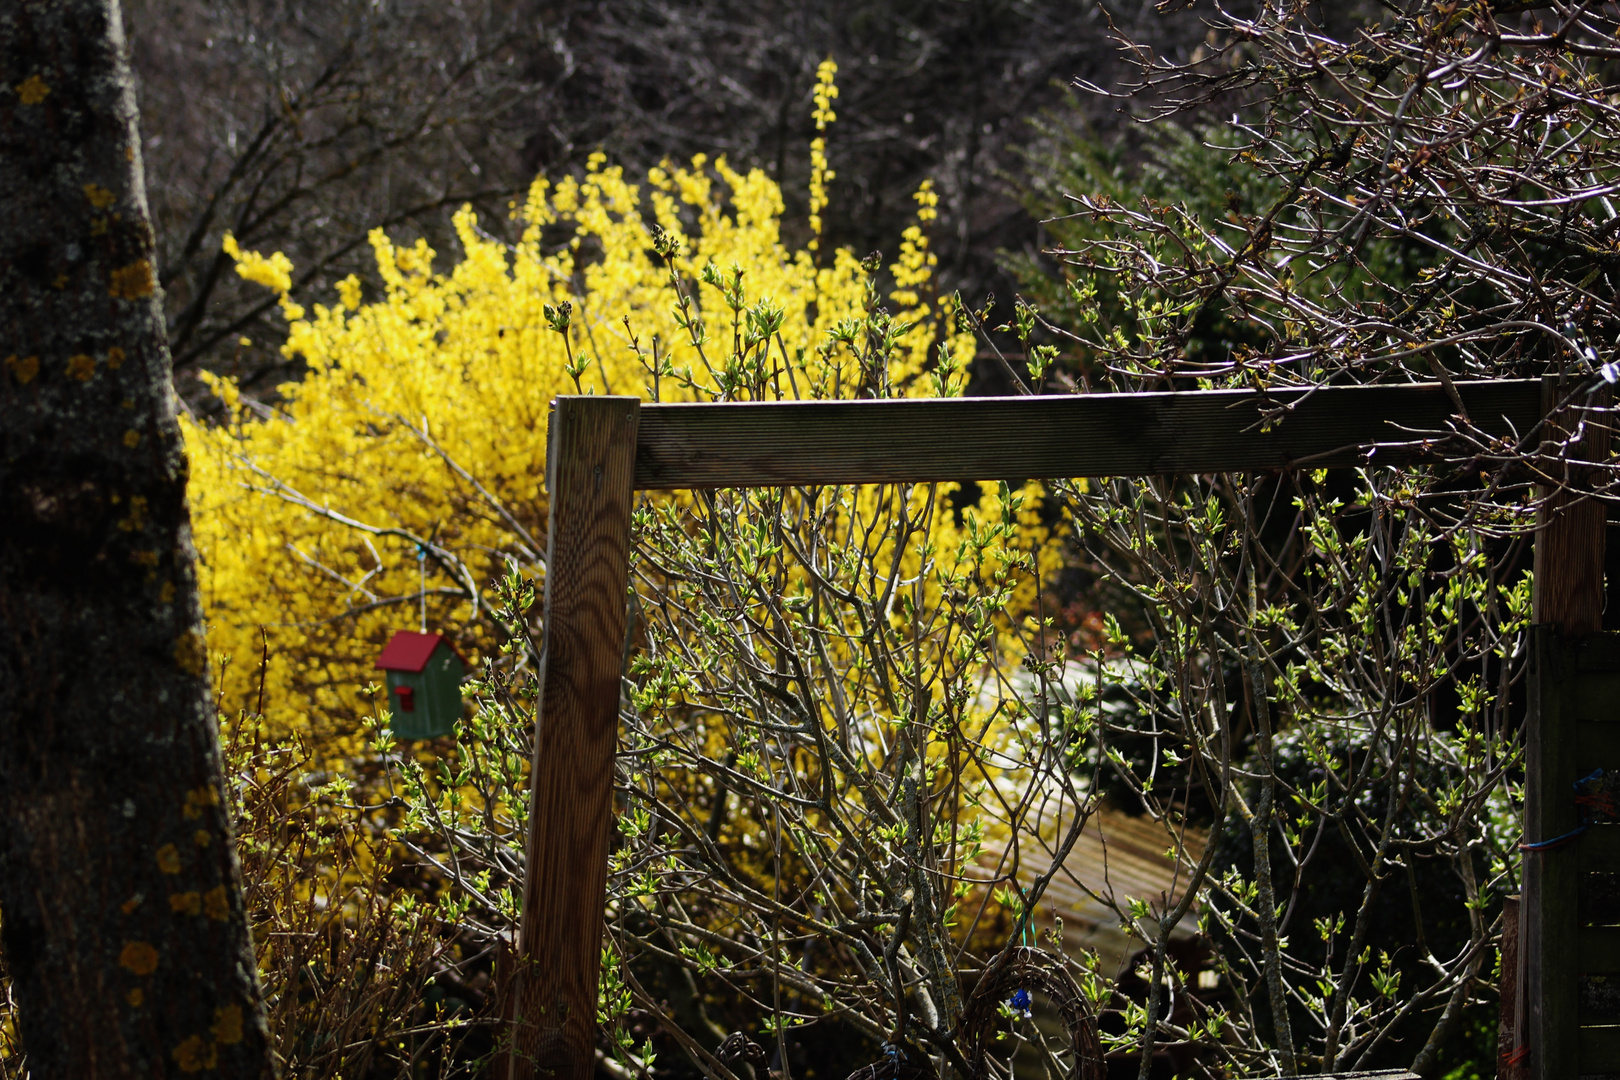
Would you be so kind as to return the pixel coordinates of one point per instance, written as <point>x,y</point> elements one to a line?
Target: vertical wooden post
<point>1567,604</point>
<point>1547,928</point>
<point>552,1007</point>
<point>1570,532</point>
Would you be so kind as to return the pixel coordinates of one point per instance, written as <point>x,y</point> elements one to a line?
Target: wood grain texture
<point>1549,931</point>
<point>827,442</point>
<point>1598,744</point>
<point>1599,950</point>
<point>1600,1044</point>
<point>1600,848</point>
<point>1597,698</point>
<point>1571,529</point>
<point>1561,747</point>
<point>553,1006</point>
<point>1509,1064</point>
<point>1567,682</point>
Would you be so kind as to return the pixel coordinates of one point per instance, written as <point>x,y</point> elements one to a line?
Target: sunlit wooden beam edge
<point>768,444</point>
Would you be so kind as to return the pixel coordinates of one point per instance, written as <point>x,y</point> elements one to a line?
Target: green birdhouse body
<point>424,684</point>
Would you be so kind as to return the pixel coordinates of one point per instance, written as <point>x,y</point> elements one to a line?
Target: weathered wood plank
<point>1571,529</point>
<point>1508,1026</point>
<point>783,443</point>
<point>1597,746</point>
<point>1565,684</point>
<point>1599,1050</point>
<point>1600,848</point>
<point>1599,950</point>
<point>553,1007</point>
<point>1599,654</point>
<point>1549,914</point>
<point>1596,696</point>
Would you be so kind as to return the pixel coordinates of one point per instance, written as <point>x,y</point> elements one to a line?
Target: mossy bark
<point>121,897</point>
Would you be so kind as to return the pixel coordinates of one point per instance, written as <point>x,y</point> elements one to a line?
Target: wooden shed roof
<point>1118,857</point>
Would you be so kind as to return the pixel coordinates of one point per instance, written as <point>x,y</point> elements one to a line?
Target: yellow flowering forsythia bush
<point>420,427</point>
<point>816,727</point>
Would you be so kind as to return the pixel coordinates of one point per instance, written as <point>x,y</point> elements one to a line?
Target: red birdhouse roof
<point>410,651</point>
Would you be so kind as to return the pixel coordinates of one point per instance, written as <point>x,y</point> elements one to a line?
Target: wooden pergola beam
<point>791,443</point>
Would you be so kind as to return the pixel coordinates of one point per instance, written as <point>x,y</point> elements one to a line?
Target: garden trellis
<point>603,449</point>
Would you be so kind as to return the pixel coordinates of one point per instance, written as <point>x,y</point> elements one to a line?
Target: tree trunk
<point>124,928</point>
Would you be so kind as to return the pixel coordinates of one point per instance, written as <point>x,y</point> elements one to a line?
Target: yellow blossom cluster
<point>274,272</point>
<point>916,263</point>
<point>404,472</point>
<point>820,175</point>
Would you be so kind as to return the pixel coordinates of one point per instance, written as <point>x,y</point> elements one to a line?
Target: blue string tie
<point>1595,794</point>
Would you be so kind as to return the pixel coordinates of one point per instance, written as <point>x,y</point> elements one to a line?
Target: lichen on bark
<point>106,726</point>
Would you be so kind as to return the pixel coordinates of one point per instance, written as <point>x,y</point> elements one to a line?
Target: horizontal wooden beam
<point>767,444</point>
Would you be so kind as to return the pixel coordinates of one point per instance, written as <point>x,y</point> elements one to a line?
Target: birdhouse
<point>424,684</point>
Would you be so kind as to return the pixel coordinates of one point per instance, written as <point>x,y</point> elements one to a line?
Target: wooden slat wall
<point>1599,1044</point>
<point>1575,729</point>
<point>764,444</point>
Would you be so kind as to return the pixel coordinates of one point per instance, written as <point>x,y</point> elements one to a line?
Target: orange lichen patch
<point>128,906</point>
<point>32,90</point>
<point>136,998</point>
<point>139,957</point>
<point>196,1054</point>
<point>168,859</point>
<point>227,1027</point>
<point>99,197</point>
<point>137,514</point>
<point>23,368</point>
<point>115,358</point>
<point>197,798</point>
<point>201,838</point>
<point>132,438</point>
<point>216,905</point>
<point>185,903</point>
<point>133,281</point>
<point>81,367</point>
<point>189,653</point>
